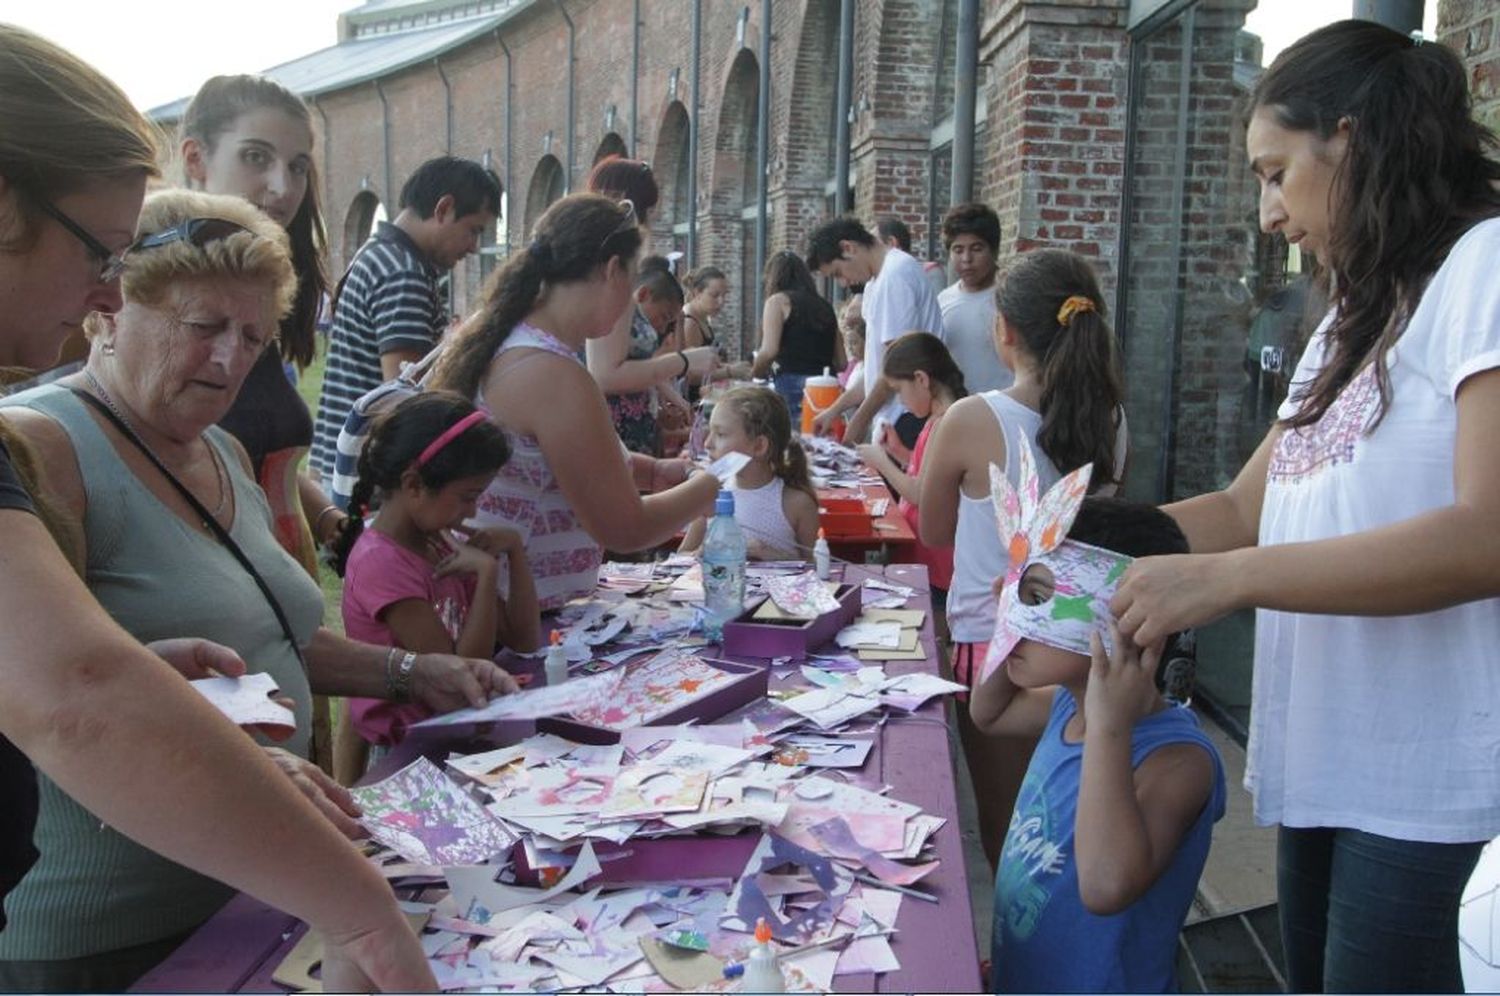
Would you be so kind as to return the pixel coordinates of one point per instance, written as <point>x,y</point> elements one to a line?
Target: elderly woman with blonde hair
<point>176,540</point>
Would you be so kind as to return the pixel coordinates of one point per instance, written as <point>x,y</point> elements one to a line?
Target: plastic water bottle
<point>723,568</point>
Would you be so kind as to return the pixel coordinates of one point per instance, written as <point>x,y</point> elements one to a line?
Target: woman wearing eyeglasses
<point>569,487</point>
<point>175,539</point>
<point>81,698</point>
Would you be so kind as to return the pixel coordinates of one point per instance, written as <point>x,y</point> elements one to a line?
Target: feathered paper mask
<point>1035,532</point>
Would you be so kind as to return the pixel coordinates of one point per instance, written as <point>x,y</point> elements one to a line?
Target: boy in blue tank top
<point>1111,829</point>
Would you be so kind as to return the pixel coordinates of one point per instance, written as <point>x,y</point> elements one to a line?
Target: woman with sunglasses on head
<point>1363,528</point>
<point>79,696</point>
<point>175,540</point>
<point>624,363</point>
<point>569,487</point>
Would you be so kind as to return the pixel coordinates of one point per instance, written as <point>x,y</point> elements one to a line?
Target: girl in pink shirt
<point>414,576</point>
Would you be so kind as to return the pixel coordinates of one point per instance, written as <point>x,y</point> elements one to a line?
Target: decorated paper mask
<point>1034,531</point>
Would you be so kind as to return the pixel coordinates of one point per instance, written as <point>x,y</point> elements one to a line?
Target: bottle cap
<point>762,931</point>
<point>557,638</point>
<point>724,503</point>
<point>821,534</point>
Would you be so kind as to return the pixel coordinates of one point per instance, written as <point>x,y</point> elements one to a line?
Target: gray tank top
<point>93,889</point>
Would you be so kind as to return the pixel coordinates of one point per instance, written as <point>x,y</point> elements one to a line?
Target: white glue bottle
<point>762,972</point>
<point>557,661</point>
<point>822,558</point>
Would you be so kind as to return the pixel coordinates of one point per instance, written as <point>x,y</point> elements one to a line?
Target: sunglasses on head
<point>197,232</point>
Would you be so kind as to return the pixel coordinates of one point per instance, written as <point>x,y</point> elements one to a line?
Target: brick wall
<point>1472,29</point>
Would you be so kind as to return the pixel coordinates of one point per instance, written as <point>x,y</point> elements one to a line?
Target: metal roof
<point>360,60</point>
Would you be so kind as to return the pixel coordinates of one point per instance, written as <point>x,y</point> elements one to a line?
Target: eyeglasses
<point>110,262</point>
<point>198,232</point>
<point>629,224</point>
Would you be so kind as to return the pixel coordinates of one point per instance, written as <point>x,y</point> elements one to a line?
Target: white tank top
<point>978,555</point>
<point>761,516</point>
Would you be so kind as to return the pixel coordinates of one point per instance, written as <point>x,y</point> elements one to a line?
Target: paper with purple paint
<point>749,902</point>
<point>423,815</point>
<point>838,841</point>
<point>801,596</point>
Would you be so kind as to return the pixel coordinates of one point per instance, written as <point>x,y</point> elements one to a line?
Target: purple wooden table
<point>241,947</point>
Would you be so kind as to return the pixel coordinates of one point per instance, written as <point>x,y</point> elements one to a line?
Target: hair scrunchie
<point>1072,306</point>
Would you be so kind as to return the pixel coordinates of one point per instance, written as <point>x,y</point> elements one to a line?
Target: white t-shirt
<point>969,331</point>
<point>899,300</point>
<point>1386,725</point>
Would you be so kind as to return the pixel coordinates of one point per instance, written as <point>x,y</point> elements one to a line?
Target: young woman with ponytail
<point>1363,528</point>
<point>1065,404</point>
<point>569,488</point>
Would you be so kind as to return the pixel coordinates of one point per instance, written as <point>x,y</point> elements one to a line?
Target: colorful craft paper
<point>424,816</point>
<point>534,703</point>
<point>910,691</point>
<point>644,790</point>
<point>838,841</point>
<point>801,596</point>
<point>652,688</point>
<point>749,902</point>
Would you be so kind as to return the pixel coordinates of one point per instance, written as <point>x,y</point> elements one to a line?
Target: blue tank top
<point>1044,939</point>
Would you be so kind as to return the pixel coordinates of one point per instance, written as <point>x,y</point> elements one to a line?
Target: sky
<point>159,50</point>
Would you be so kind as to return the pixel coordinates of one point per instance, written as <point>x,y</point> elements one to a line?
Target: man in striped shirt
<point>387,310</point>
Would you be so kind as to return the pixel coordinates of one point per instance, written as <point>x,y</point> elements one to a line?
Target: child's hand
<point>462,558</point>
<point>822,423</point>
<point>1122,684</point>
<point>493,540</point>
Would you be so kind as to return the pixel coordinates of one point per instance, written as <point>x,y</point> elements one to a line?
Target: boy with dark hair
<point>1111,830</point>
<point>897,300</point>
<point>387,308</point>
<point>971,234</point>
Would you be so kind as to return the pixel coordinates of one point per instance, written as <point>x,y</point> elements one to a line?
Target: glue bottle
<point>557,661</point>
<point>762,972</point>
<point>822,558</point>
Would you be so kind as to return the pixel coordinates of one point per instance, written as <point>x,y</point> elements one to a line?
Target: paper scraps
<point>864,633</point>
<point>749,902</point>
<point>646,790</point>
<point>801,596</point>
<point>727,466</point>
<point>246,700</point>
<point>648,690</point>
<point>823,752</point>
<point>534,703</point>
<point>910,691</point>
<point>838,841</point>
<point>423,815</point>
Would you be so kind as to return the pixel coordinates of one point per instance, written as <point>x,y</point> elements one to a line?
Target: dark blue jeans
<point>1365,913</point>
<point>789,386</point>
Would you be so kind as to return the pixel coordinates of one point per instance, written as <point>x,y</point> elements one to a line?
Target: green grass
<point>310,385</point>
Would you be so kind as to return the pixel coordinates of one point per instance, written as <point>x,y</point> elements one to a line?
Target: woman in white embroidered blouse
<point>1363,527</point>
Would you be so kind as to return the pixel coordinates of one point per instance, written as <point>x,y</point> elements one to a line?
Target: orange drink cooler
<point>818,393</point>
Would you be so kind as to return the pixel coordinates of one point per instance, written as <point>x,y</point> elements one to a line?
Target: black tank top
<point>807,338</point>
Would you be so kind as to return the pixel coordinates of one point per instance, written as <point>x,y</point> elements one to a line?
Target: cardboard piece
<point>682,969</point>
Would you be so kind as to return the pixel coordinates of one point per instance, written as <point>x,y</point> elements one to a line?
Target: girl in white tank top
<point>774,501</point>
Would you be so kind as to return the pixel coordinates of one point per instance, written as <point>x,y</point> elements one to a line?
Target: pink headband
<point>449,434</point>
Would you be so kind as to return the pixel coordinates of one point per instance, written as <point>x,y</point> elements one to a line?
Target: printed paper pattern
<point>422,814</point>
<point>653,688</point>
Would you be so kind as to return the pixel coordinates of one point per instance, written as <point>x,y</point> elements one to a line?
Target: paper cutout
<point>246,700</point>
<point>652,688</point>
<point>878,822</point>
<point>534,703</point>
<point>488,768</point>
<point>689,755</point>
<point>688,587</point>
<point>906,618</point>
<point>478,896</point>
<point>749,903</point>
<point>870,634</point>
<point>839,842</point>
<point>1030,529</point>
<point>829,707</point>
<point>727,466</point>
<point>910,691</point>
<point>801,596</point>
<point>644,790</point>
<point>824,752</point>
<point>424,816</point>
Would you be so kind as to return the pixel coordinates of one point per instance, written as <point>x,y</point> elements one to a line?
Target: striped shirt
<point>388,301</point>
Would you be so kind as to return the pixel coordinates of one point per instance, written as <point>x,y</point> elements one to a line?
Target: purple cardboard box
<point>751,684</point>
<point>749,637</point>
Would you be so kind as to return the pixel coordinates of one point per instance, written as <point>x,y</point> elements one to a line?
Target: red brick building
<point>1111,127</point>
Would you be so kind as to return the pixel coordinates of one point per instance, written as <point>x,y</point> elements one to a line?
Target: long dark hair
<point>925,353</point>
<point>395,442</point>
<point>214,109</point>
<point>785,272</point>
<point>763,412</point>
<point>1076,356</point>
<point>572,238</point>
<point>1415,176</point>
